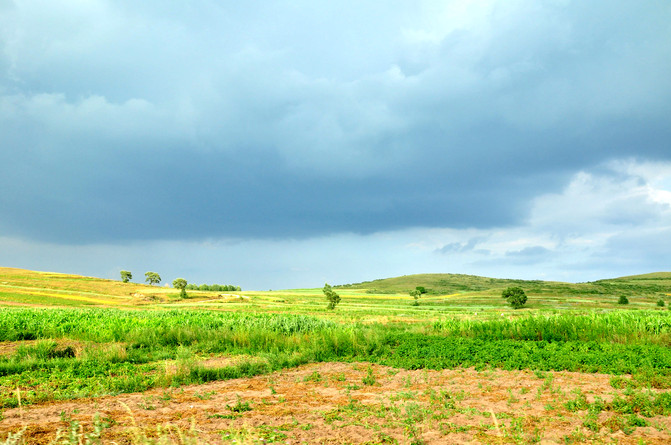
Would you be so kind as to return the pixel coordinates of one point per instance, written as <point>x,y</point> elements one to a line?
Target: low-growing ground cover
<point>335,403</point>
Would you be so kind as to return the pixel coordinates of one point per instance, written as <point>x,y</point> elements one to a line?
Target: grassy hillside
<point>19,286</point>
<point>446,284</point>
<point>384,300</point>
<point>437,284</point>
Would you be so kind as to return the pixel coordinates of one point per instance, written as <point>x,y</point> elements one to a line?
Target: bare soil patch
<point>335,403</point>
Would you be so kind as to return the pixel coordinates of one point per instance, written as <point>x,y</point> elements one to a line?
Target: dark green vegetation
<point>214,287</point>
<point>332,297</point>
<point>180,283</point>
<point>416,293</point>
<point>515,296</point>
<point>126,276</point>
<point>152,278</point>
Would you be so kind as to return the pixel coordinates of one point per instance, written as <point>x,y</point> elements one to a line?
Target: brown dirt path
<point>335,403</point>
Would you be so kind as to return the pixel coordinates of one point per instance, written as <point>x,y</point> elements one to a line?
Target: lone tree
<point>152,278</point>
<point>331,296</point>
<point>418,292</point>
<point>180,283</point>
<point>126,276</point>
<point>515,296</point>
<point>623,300</point>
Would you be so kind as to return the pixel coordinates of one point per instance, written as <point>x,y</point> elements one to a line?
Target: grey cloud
<point>129,121</point>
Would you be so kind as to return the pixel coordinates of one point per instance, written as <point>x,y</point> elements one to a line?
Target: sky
<point>286,144</point>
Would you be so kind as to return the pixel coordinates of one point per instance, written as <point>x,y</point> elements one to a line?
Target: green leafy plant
<point>370,378</point>
<point>314,377</point>
<point>623,300</point>
<point>515,296</point>
<point>240,406</point>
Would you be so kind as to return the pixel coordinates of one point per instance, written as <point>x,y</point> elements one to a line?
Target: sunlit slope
<point>446,284</point>
<point>646,284</point>
<point>439,284</point>
<point>374,300</point>
<point>19,286</point>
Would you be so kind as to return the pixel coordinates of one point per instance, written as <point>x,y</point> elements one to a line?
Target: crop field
<point>85,361</point>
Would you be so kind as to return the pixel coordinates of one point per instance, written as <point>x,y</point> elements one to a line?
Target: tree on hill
<point>152,278</point>
<point>515,296</point>
<point>623,300</point>
<point>331,296</point>
<point>418,292</point>
<point>126,276</point>
<point>180,283</point>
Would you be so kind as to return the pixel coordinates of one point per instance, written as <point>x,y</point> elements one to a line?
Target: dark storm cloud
<point>124,121</point>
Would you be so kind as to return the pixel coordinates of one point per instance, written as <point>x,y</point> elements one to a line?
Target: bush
<point>661,303</point>
<point>331,296</point>
<point>515,296</point>
<point>623,300</point>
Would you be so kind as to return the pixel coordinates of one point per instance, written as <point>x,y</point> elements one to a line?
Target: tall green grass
<point>123,350</point>
<point>167,327</point>
<point>111,350</point>
<point>634,327</point>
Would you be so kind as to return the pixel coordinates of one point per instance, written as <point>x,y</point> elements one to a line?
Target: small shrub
<point>240,406</point>
<point>661,303</point>
<point>370,378</point>
<point>314,377</point>
<point>623,300</point>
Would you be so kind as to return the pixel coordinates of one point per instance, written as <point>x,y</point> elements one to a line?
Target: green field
<point>66,337</point>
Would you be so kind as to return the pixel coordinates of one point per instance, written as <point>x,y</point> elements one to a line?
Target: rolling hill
<point>443,284</point>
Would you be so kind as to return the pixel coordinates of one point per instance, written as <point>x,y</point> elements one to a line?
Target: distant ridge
<point>442,284</point>
<point>646,276</point>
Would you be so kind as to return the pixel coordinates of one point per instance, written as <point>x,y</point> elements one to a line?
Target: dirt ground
<point>336,403</point>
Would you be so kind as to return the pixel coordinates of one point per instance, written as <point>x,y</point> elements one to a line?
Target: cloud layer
<point>125,122</point>
<point>212,119</point>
